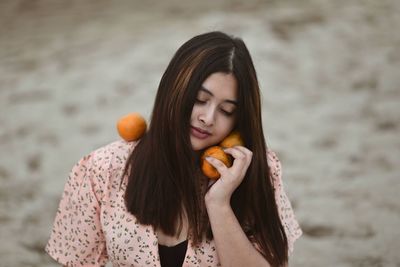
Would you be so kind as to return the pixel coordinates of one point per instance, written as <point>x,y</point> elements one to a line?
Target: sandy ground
<point>329,71</point>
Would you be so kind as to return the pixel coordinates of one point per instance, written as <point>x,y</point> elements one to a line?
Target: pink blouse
<point>93,227</point>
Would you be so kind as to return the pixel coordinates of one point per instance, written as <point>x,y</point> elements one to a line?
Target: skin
<point>210,111</point>
<point>210,114</point>
<point>233,246</point>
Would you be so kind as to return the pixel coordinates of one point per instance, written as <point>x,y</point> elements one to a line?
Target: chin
<point>197,146</point>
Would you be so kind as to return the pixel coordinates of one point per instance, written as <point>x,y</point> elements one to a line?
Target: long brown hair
<point>164,178</point>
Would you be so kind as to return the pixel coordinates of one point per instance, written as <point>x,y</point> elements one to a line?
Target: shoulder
<point>289,221</point>
<point>113,154</point>
<point>100,169</point>
<point>104,163</point>
<point>275,167</point>
<point>273,159</point>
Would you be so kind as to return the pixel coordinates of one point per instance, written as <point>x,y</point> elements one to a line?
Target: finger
<point>217,164</point>
<point>249,154</point>
<point>242,157</point>
<point>211,182</point>
<point>243,149</point>
<point>235,152</point>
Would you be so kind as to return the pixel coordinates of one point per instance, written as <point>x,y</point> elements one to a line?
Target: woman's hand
<point>221,190</point>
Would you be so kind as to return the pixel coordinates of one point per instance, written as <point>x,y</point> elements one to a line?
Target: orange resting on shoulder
<point>131,126</point>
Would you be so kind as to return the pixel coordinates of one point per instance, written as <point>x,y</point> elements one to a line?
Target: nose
<point>207,116</point>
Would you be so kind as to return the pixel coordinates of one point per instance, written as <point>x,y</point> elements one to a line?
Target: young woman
<point>147,203</point>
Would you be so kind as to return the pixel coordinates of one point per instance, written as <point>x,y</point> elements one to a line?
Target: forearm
<point>233,246</point>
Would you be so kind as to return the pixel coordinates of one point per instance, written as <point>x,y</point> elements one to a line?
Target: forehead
<point>221,86</point>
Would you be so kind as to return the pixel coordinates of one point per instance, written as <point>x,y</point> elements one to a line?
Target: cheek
<point>193,115</point>
<point>227,126</point>
<point>231,121</point>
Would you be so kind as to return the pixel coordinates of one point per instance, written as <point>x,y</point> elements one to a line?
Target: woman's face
<point>214,112</point>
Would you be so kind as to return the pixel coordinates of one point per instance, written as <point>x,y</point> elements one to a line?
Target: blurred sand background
<point>330,78</point>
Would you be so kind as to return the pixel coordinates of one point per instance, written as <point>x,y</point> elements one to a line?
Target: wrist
<point>217,204</point>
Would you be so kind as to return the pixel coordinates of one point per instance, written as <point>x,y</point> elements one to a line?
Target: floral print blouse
<point>92,226</point>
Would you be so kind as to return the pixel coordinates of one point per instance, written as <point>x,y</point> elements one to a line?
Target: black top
<point>172,256</point>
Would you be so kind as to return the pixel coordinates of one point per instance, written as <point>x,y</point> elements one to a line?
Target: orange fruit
<point>233,139</point>
<point>218,153</point>
<point>131,126</point>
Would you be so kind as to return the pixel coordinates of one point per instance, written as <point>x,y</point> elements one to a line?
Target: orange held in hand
<point>131,126</point>
<point>233,139</point>
<point>218,153</point>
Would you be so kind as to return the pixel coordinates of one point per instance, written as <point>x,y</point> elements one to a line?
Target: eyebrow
<point>226,100</point>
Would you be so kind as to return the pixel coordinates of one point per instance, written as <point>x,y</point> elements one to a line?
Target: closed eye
<point>223,111</point>
<point>227,113</point>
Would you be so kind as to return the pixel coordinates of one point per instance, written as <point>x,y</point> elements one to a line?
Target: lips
<point>199,133</point>
<point>201,130</point>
